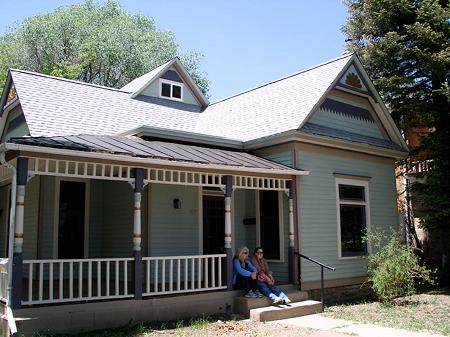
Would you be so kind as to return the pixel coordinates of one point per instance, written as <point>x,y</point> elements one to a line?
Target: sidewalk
<point>330,327</point>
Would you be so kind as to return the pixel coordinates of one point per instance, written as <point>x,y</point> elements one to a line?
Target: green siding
<point>117,226</point>
<point>174,231</point>
<point>284,157</point>
<point>30,228</point>
<point>346,123</point>
<point>47,216</point>
<point>18,131</point>
<point>318,213</point>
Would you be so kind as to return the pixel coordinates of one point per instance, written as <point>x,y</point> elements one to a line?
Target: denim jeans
<point>246,283</point>
<point>267,289</point>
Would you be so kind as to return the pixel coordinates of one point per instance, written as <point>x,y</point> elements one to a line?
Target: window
<point>353,215</point>
<point>172,90</point>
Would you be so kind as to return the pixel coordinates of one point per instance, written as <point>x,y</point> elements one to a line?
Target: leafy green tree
<point>92,42</point>
<point>404,45</point>
<point>394,269</point>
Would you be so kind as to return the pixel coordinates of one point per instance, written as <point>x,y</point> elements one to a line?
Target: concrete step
<point>295,309</point>
<point>243,305</point>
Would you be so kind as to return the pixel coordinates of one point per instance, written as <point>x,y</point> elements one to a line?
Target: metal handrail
<point>321,271</point>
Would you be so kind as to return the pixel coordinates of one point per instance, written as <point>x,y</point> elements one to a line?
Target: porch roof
<point>157,150</point>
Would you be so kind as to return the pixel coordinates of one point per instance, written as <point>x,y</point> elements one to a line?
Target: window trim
<point>281,224</point>
<point>171,83</point>
<point>366,203</point>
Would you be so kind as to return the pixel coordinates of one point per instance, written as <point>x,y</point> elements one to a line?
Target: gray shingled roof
<point>273,108</point>
<point>316,129</point>
<point>139,82</point>
<point>58,107</point>
<point>136,147</point>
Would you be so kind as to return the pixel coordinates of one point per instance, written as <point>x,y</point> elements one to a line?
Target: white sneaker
<point>286,300</point>
<point>277,300</point>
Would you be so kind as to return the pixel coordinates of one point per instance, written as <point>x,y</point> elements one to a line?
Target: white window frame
<point>87,202</point>
<point>171,83</point>
<point>280,224</point>
<point>366,203</point>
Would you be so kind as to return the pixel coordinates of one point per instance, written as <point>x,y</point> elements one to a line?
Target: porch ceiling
<point>156,150</point>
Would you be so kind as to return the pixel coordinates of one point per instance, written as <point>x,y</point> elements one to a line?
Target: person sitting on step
<point>244,274</point>
<point>265,280</point>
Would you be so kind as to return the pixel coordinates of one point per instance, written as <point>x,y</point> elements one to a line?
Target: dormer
<point>169,81</point>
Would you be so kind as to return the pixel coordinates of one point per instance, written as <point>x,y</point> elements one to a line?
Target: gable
<point>348,112</point>
<point>179,85</point>
<point>15,124</point>
<point>353,80</point>
<point>171,76</point>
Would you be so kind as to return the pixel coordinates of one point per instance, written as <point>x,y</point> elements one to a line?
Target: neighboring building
<point>147,190</point>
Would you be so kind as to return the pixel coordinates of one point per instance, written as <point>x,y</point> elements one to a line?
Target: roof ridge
<point>285,77</point>
<point>66,80</point>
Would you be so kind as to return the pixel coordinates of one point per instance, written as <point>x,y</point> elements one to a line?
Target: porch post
<point>138,187</point>
<point>21,178</point>
<point>228,193</point>
<point>291,259</point>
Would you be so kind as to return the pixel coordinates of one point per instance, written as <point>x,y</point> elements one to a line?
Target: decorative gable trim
<point>352,79</point>
<point>347,110</point>
<point>374,99</point>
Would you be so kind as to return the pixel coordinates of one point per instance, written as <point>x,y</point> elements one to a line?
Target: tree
<point>91,42</point>
<point>404,45</point>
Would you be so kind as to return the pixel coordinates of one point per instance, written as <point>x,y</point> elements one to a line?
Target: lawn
<point>429,311</point>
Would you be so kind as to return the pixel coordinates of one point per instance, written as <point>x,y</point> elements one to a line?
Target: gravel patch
<point>235,328</point>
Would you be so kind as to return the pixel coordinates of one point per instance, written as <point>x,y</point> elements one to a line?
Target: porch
<point>172,250</point>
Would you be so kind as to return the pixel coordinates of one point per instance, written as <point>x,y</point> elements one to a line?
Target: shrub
<point>394,269</point>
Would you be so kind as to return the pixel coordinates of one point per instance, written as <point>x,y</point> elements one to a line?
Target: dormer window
<point>172,90</point>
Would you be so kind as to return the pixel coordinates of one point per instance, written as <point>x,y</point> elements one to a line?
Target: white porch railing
<point>181,274</point>
<point>4,280</point>
<point>53,281</point>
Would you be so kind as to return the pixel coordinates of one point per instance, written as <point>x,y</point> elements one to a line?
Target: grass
<point>429,311</point>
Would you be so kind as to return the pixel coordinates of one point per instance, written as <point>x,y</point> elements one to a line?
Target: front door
<point>71,220</point>
<point>213,224</point>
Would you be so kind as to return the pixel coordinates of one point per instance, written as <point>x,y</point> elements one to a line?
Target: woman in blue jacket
<point>244,274</point>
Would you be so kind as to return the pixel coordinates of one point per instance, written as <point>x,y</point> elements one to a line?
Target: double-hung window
<point>352,215</point>
<point>172,90</point>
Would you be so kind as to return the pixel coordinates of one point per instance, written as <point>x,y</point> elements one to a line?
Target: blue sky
<point>245,43</point>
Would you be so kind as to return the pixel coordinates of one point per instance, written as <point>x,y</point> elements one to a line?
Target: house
<point>129,203</point>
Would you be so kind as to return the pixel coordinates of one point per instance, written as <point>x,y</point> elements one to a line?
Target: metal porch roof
<point>170,152</point>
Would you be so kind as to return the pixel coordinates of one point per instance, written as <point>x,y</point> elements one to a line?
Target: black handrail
<point>321,271</point>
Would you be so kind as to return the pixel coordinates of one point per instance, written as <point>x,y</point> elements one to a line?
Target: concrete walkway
<point>330,327</point>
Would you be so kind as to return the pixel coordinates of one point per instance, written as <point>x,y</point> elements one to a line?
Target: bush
<point>394,269</point>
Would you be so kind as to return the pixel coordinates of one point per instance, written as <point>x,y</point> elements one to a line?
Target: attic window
<point>172,90</point>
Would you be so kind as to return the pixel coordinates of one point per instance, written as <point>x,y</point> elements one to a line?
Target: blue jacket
<point>237,269</point>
